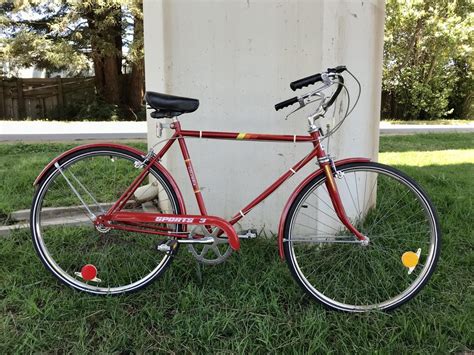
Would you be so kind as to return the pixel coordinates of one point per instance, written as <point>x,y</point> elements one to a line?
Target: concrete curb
<point>6,230</point>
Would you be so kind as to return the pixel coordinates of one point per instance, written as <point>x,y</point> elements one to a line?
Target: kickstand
<point>199,271</point>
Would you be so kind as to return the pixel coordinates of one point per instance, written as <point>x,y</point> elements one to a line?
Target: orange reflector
<point>410,259</point>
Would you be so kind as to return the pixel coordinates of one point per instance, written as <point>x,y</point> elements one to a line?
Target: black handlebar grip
<point>309,80</point>
<point>286,103</point>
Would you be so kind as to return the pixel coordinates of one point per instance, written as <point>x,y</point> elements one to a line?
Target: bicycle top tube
<point>247,136</point>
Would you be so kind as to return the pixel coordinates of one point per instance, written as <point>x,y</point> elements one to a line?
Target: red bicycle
<point>357,235</point>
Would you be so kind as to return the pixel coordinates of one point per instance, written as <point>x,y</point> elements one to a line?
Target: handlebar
<point>310,80</point>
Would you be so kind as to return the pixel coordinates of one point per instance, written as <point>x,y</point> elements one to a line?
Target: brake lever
<point>306,99</point>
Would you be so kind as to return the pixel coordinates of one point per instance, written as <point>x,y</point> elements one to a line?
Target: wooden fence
<point>38,98</point>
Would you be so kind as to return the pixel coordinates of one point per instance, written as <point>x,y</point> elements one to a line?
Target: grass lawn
<point>250,303</point>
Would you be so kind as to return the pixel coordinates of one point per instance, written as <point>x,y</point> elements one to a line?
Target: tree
<point>423,42</point>
<point>69,35</point>
<point>136,87</point>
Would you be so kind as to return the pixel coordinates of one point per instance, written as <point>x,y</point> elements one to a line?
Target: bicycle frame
<point>179,135</point>
<point>150,222</point>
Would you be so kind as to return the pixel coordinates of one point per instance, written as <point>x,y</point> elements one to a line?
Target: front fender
<point>160,167</point>
<point>295,193</point>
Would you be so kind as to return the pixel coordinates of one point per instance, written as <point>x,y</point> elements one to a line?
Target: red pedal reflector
<point>88,272</point>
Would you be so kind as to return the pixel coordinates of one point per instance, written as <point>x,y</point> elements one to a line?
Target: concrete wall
<point>238,58</point>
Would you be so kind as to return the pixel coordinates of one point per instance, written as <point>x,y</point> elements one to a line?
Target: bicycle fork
<point>327,164</point>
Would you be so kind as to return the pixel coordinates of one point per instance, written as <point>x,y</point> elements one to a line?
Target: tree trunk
<point>106,51</point>
<point>99,78</point>
<point>136,87</point>
<point>393,105</point>
<point>467,109</point>
<point>111,92</point>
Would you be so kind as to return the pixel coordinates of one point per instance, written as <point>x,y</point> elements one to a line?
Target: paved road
<point>38,131</point>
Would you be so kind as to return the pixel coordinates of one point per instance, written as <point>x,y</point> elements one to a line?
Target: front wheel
<point>333,267</point>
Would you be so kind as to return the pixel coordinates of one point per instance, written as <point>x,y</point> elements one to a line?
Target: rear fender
<point>160,167</point>
<point>295,193</point>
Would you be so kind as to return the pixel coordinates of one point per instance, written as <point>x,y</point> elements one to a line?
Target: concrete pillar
<point>238,58</point>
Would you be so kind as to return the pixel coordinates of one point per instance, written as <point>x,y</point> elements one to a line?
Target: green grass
<point>20,164</point>
<point>250,303</point>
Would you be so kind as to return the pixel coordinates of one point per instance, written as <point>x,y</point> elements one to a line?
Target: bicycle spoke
<point>324,224</point>
<point>350,193</point>
<point>325,213</point>
<point>312,228</point>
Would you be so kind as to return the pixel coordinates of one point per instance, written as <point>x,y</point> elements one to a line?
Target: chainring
<point>211,254</point>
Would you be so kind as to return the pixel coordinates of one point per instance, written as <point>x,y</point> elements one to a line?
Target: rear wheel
<point>91,258</point>
<point>336,269</point>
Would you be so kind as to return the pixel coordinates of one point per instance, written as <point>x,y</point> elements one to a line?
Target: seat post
<point>176,125</point>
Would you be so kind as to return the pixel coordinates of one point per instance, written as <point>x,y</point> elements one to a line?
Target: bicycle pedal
<point>167,246</point>
<point>249,234</point>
